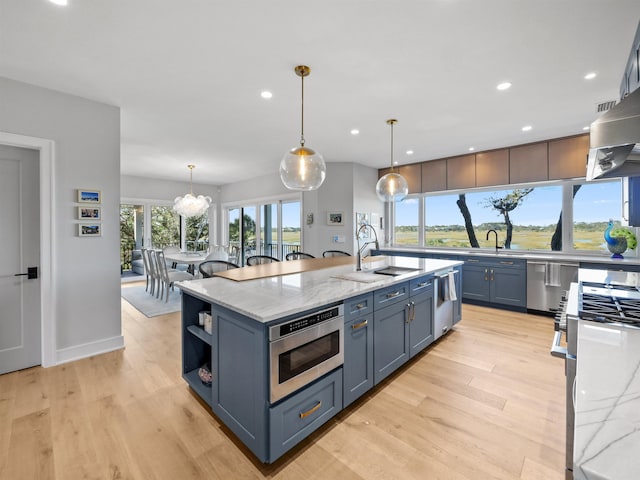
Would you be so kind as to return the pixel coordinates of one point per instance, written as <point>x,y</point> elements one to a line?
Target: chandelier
<point>190,205</point>
<point>392,187</point>
<point>302,168</point>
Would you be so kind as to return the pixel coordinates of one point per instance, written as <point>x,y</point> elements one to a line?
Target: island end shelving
<point>387,321</point>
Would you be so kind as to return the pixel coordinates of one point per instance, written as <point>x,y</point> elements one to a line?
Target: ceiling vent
<point>605,106</point>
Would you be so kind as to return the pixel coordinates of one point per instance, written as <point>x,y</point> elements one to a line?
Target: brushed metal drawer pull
<point>359,325</point>
<point>311,410</point>
<point>394,294</point>
<point>360,306</point>
<point>504,262</point>
<point>424,284</point>
<point>472,260</point>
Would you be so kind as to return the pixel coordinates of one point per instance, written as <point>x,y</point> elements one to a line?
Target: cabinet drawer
<point>421,285</point>
<point>390,295</point>
<point>358,306</point>
<point>510,263</point>
<point>295,418</point>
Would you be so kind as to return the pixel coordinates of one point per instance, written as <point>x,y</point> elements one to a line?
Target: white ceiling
<point>188,74</point>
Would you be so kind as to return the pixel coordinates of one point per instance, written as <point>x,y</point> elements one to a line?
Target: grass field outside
<point>523,238</point>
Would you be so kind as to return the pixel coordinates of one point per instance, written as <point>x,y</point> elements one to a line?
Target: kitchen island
<point>384,321</point>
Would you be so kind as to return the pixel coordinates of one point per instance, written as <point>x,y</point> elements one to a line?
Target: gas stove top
<point>608,302</point>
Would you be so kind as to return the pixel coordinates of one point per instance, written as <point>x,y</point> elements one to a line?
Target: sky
<point>594,202</point>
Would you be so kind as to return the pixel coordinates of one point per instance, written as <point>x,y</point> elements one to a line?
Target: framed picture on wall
<point>89,213</point>
<point>335,218</point>
<point>89,196</point>
<point>89,230</point>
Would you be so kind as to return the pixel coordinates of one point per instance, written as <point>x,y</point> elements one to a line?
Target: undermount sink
<point>395,271</point>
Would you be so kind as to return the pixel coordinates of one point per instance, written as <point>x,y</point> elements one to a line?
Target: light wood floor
<point>485,402</point>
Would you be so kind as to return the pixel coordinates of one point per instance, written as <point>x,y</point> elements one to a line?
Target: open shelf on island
<point>196,384</point>
<point>200,333</point>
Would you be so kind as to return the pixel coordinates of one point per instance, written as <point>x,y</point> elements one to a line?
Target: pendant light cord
<point>391,123</point>
<point>302,114</point>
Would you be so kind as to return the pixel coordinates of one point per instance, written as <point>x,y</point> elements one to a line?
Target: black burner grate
<point>603,308</point>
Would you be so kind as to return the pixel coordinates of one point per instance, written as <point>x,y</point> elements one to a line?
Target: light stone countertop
<point>629,257</point>
<point>607,422</point>
<point>268,299</point>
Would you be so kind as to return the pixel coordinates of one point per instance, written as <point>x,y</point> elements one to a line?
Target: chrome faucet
<point>359,230</point>
<point>496,234</point>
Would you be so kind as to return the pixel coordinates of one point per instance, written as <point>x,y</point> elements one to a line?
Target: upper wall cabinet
<point>413,176</point>
<point>568,157</point>
<point>492,168</point>
<point>461,172</point>
<point>528,163</point>
<point>434,176</point>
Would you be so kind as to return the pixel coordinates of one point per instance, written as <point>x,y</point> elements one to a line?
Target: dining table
<point>192,259</point>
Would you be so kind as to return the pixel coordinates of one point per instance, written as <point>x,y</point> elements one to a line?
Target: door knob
<point>32,273</point>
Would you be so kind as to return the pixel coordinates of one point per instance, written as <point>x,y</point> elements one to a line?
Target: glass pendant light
<point>302,168</point>
<point>392,187</point>
<point>190,205</point>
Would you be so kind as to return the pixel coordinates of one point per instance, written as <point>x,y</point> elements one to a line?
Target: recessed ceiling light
<point>590,75</point>
<point>503,86</point>
<point>355,131</point>
<point>526,128</point>
<point>471,149</point>
<point>409,152</point>
<point>586,128</point>
<point>59,2</point>
<point>266,94</point>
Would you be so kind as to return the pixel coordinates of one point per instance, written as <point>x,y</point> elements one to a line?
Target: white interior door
<point>20,322</point>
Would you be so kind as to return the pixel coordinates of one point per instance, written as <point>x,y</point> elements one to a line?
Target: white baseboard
<point>85,350</point>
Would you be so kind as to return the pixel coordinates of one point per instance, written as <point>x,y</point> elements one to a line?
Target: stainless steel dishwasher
<point>547,281</point>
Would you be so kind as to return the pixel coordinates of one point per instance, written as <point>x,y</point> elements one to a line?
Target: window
<point>165,227</point>
<point>525,218</point>
<point>594,203</point>
<point>278,233</point>
<point>407,222</point>
<point>556,216</point>
<point>197,233</point>
<point>291,232</point>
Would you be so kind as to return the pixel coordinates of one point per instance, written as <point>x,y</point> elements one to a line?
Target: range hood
<point>615,141</point>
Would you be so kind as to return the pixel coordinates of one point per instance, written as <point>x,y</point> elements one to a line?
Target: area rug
<point>149,305</point>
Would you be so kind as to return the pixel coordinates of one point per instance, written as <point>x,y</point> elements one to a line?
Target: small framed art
<point>89,230</point>
<point>89,213</point>
<point>89,196</point>
<point>335,218</point>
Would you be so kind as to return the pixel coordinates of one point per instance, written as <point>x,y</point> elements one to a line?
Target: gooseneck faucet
<point>496,234</point>
<point>359,230</point>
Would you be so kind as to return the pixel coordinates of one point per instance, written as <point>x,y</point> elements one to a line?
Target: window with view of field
<point>526,218</point>
<point>275,226</point>
<point>594,204</point>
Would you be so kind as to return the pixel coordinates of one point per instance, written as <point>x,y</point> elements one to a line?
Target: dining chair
<point>169,277</point>
<point>218,252</point>
<point>298,256</point>
<point>335,253</point>
<point>209,268</point>
<point>260,259</point>
<point>173,249</point>
<point>154,272</point>
<point>147,269</point>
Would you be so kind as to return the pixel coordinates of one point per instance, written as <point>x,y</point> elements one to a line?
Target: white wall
<point>141,188</point>
<point>86,292</point>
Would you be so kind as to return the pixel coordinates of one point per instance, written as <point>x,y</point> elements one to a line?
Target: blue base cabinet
<point>496,281</point>
<point>405,327</point>
<point>295,418</point>
<point>358,347</point>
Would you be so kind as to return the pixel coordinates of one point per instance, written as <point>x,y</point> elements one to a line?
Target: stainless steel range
<point>599,296</point>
